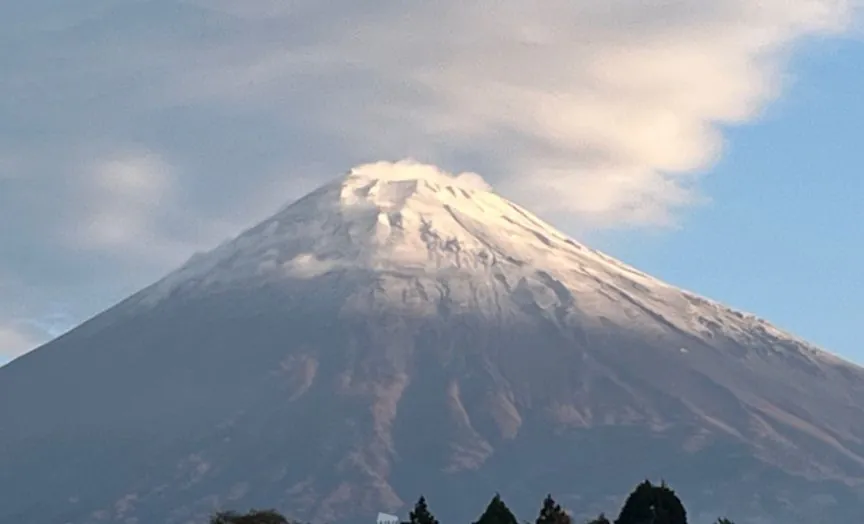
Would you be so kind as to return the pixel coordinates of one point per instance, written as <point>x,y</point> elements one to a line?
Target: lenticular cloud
<point>601,110</point>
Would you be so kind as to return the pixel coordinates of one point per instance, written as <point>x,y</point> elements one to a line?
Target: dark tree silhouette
<point>497,513</point>
<point>647,504</point>
<point>267,516</point>
<point>601,519</point>
<point>552,513</point>
<point>650,504</point>
<point>421,513</point>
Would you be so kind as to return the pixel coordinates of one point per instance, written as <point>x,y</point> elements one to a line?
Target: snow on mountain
<point>414,221</point>
<point>400,330</point>
<point>405,218</point>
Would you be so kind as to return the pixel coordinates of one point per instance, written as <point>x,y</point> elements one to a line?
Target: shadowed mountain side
<point>244,406</point>
<point>395,333</point>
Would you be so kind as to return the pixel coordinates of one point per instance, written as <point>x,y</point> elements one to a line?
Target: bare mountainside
<point>399,332</point>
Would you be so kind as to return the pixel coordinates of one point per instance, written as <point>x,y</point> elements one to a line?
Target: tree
<point>268,516</point>
<point>650,504</point>
<point>637,508</point>
<point>497,513</point>
<point>421,514</point>
<point>552,513</point>
<point>601,519</point>
<point>724,520</point>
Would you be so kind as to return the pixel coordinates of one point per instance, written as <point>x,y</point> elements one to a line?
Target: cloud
<point>411,169</point>
<point>19,331</point>
<point>123,198</point>
<point>15,340</point>
<point>128,143</point>
<point>608,112</point>
<point>130,206</point>
<point>306,265</point>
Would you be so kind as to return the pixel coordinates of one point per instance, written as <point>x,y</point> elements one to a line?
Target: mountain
<point>399,332</point>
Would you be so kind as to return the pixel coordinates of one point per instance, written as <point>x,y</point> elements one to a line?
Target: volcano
<point>400,332</point>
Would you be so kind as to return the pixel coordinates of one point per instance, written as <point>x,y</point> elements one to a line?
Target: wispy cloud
<point>603,111</point>
<point>123,199</point>
<point>15,340</point>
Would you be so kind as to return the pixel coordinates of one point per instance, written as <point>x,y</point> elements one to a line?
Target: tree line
<point>647,504</point>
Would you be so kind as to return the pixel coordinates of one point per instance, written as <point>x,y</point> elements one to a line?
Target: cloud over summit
<point>600,110</point>
<point>189,119</point>
<point>409,169</point>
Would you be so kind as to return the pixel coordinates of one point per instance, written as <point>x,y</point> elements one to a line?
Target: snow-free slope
<point>400,331</point>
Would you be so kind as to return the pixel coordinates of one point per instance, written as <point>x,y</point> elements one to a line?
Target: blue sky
<point>714,145</point>
<point>783,235</point>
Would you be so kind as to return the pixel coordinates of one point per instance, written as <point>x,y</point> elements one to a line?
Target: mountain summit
<point>380,218</point>
<point>401,331</point>
<point>400,220</point>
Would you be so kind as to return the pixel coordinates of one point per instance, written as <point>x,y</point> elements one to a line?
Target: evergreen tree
<point>268,516</point>
<point>724,520</point>
<point>601,519</point>
<point>497,513</point>
<point>421,514</point>
<point>650,504</point>
<point>552,513</point>
<point>637,508</point>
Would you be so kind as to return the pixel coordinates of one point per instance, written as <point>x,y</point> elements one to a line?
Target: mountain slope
<point>399,331</point>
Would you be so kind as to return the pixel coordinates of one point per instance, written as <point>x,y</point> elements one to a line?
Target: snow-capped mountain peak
<point>400,324</point>
<point>400,216</point>
<point>412,228</point>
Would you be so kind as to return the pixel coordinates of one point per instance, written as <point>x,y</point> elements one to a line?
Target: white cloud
<point>15,340</point>
<point>411,169</point>
<point>126,200</point>
<point>306,265</point>
<point>123,197</point>
<point>141,179</point>
<point>604,110</point>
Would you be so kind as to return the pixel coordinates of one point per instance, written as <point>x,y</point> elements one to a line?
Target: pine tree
<point>497,513</point>
<point>421,513</point>
<point>724,520</point>
<point>601,519</point>
<point>552,513</point>
<point>637,508</point>
<point>671,510</point>
<point>650,504</point>
<point>268,516</point>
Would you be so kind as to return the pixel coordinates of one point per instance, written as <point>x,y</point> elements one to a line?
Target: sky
<point>715,144</point>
